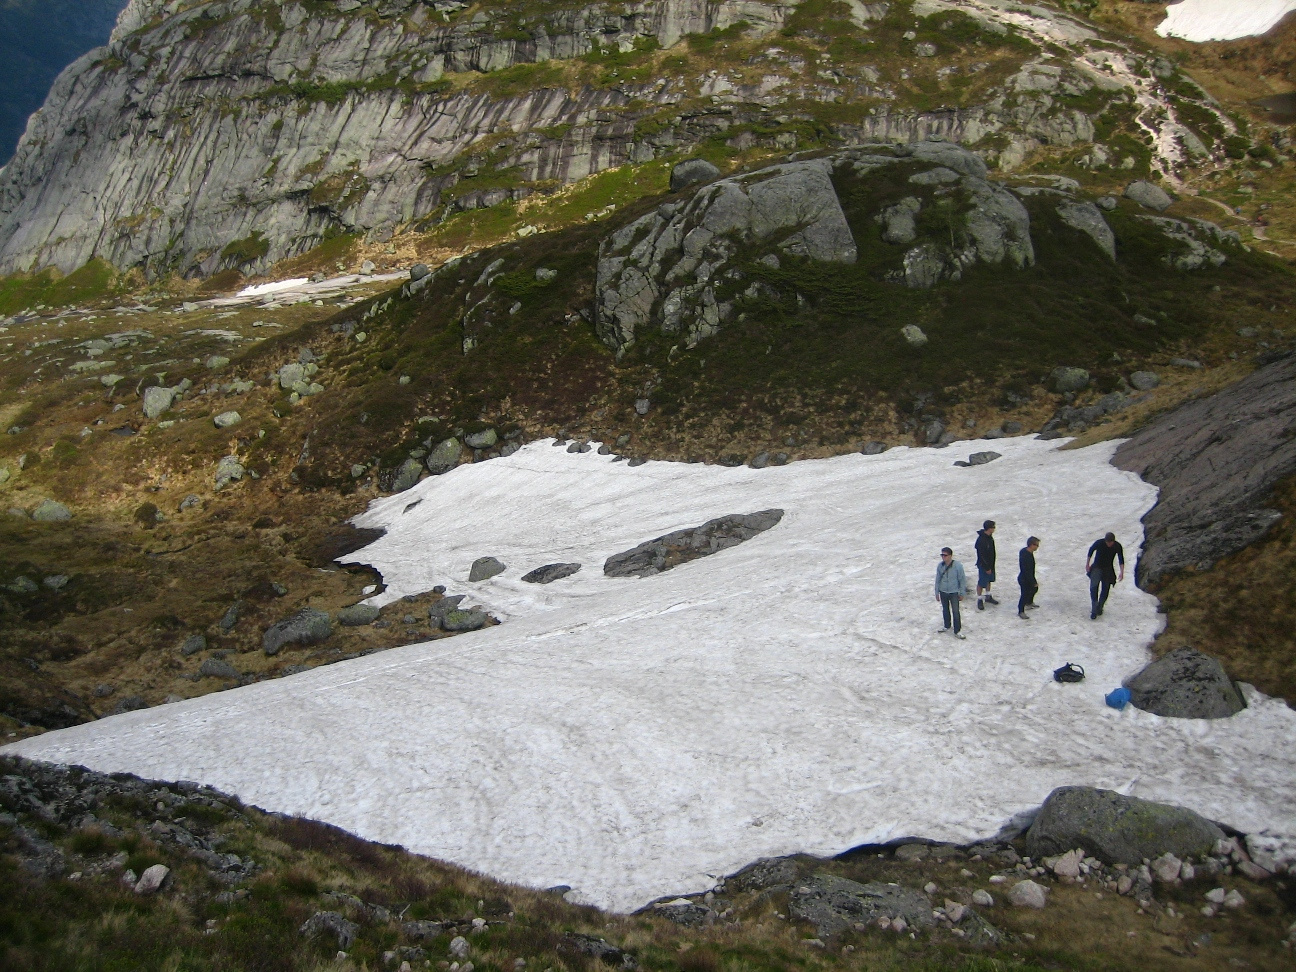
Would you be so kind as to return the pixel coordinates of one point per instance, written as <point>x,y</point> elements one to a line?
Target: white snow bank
<point>274,287</point>
<point>637,738</point>
<point>1216,20</point>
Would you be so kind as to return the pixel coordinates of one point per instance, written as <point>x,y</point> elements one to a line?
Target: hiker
<point>1026,577</point>
<point>1100,565</point>
<point>985,549</point>
<point>950,583</point>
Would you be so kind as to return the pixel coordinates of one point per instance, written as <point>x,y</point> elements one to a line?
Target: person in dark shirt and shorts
<point>1100,565</point>
<point>1026,577</point>
<point>985,551</point>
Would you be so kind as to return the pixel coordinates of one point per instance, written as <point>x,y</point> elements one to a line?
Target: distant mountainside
<point>38,39</point>
<point>234,133</point>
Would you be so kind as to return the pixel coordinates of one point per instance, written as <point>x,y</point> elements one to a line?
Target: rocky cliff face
<point>233,133</point>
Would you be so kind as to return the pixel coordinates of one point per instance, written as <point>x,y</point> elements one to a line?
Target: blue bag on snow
<point>1119,698</point>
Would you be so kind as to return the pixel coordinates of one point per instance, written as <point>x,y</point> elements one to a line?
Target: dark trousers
<point>1027,596</point>
<point>950,605</point>
<point>1099,587</point>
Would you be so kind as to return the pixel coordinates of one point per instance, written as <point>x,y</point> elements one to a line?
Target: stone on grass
<point>1234,899</point>
<point>157,400</point>
<point>218,668</point>
<point>152,879</point>
<point>225,419</point>
<point>481,440</point>
<point>228,470</point>
<point>691,172</point>
<point>51,511</point>
<point>55,582</point>
<point>550,573</point>
<point>1028,894</point>
<point>1144,380</point>
<point>834,904</point>
<point>1166,868</point>
<point>1068,865</point>
<point>459,947</point>
<point>1069,379</point>
<point>457,621</point>
<point>914,335</point>
<point>1185,684</point>
<point>407,476</point>
<point>1116,829</point>
<point>332,923</point>
<point>307,627</point>
<point>982,898</point>
<point>216,362</point>
<point>357,615</point>
<point>1148,196</point>
<point>193,644</point>
<point>419,271</point>
<point>444,457</point>
<point>484,568</point>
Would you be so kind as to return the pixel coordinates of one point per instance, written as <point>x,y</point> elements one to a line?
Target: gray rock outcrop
<point>218,668</point>
<point>157,400</point>
<point>835,904</point>
<point>1088,219</point>
<point>458,621</point>
<point>1068,379</point>
<point>407,475</point>
<point>308,626</point>
<point>682,546</point>
<point>1148,196</point>
<point>333,924</point>
<point>550,573</point>
<point>51,511</point>
<point>691,172</point>
<point>1185,684</point>
<point>228,470</point>
<point>1215,461</point>
<point>444,457</point>
<point>1117,829</point>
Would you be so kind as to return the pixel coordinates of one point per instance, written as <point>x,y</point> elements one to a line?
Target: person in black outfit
<point>1026,577</point>
<point>985,551</point>
<point>1100,565</point>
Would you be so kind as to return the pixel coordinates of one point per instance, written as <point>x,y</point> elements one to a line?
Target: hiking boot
<point>980,604</point>
<point>1023,615</point>
<point>990,599</point>
<point>1093,614</point>
<point>944,630</point>
<point>960,636</point>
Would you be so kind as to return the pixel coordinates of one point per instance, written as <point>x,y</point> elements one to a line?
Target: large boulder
<point>444,457</point>
<point>1069,379</point>
<point>457,621</point>
<point>1185,684</point>
<point>1148,196</point>
<point>835,904</point>
<point>691,172</point>
<point>484,568</point>
<point>407,476</point>
<point>307,627</point>
<point>51,511</point>
<point>681,546</point>
<point>1117,829</point>
<point>550,573</point>
<point>1088,219</point>
<point>357,615</point>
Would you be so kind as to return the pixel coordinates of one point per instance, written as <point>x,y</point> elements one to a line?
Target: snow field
<point>1216,20</point>
<point>635,738</point>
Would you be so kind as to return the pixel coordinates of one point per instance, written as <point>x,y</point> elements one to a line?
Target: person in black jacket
<point>1100,565</point>
<point>985,551</point>
<point>1026,577</point>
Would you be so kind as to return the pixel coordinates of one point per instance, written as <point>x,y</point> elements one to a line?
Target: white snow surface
<point>637,738</point>
<point>1216,20</point>
<point>260,290</point>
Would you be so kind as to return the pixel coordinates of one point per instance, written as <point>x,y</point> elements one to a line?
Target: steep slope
<point>233,133</point>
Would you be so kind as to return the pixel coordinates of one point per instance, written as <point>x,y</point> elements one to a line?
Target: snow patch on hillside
<point>1216,20</point>
<point>635,738</point>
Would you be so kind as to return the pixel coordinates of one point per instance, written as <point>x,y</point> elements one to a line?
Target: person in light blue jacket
<point>951,582</point>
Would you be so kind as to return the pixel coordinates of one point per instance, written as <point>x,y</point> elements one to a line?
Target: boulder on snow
<point>691,172</point>
<point>457,620</point>
<point>484,568</point>
<point>550,573</point>
<point>1116,829</point>
<point>307,627</point>
<point>1185,684</point>
<point>681,546</point>
<point>835,904</point>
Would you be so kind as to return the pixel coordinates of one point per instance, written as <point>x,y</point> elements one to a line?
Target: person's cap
<point>946,550</point>
<point>1111,536</point>
<point>1032,541</point>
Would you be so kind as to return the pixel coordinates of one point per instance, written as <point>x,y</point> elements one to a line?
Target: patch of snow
<point>637,738</point>
<point>260,290</point>
<point>1216,20</point>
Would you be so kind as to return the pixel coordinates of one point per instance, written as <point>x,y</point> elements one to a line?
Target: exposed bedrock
<point>1215,461</point>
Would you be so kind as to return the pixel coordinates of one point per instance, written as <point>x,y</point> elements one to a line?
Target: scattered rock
<point>874,448</point>
<point>51,511</point>
<point>307,627</point>
<point>456,620</point>
<point>769,872</point>
<point>218,668</point>
<point>682,546</point>
<point>982,899</point>
<point>980,459</point>
<point>1069,379</point>
<point>1028,894</point>
<point>157,400</point>
<point>913,335</point>
<point>419,271</point>
<point>225,419</point>
<point>1185,684</point>
<point>444,457</point>
<point>1116,829</point>
<point>334,924</point>
<point>439,609</point>
<point>216,362</point>
<point>1166,868</point>
<point>131,703</point>
<point>1144,380</point>
<point>459,947</point>
<point>1186,363</point>
<point>152,879</point>
<point>228,470</point>
<point>1108,203</point>
<point>691,172</point>
<point>189,502</point>
<point>55,582</point>
<point>550,573</point>
<point>599,949</point>
<point>481,440</point>
<point>484,568</point>
<point>193,644</point>
<point>357,615</point>
<point>407,475</point>
<point>1148,196</point>
<point>835,904</point>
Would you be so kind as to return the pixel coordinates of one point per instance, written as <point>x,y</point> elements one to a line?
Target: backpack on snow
<point>1070,672</point>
